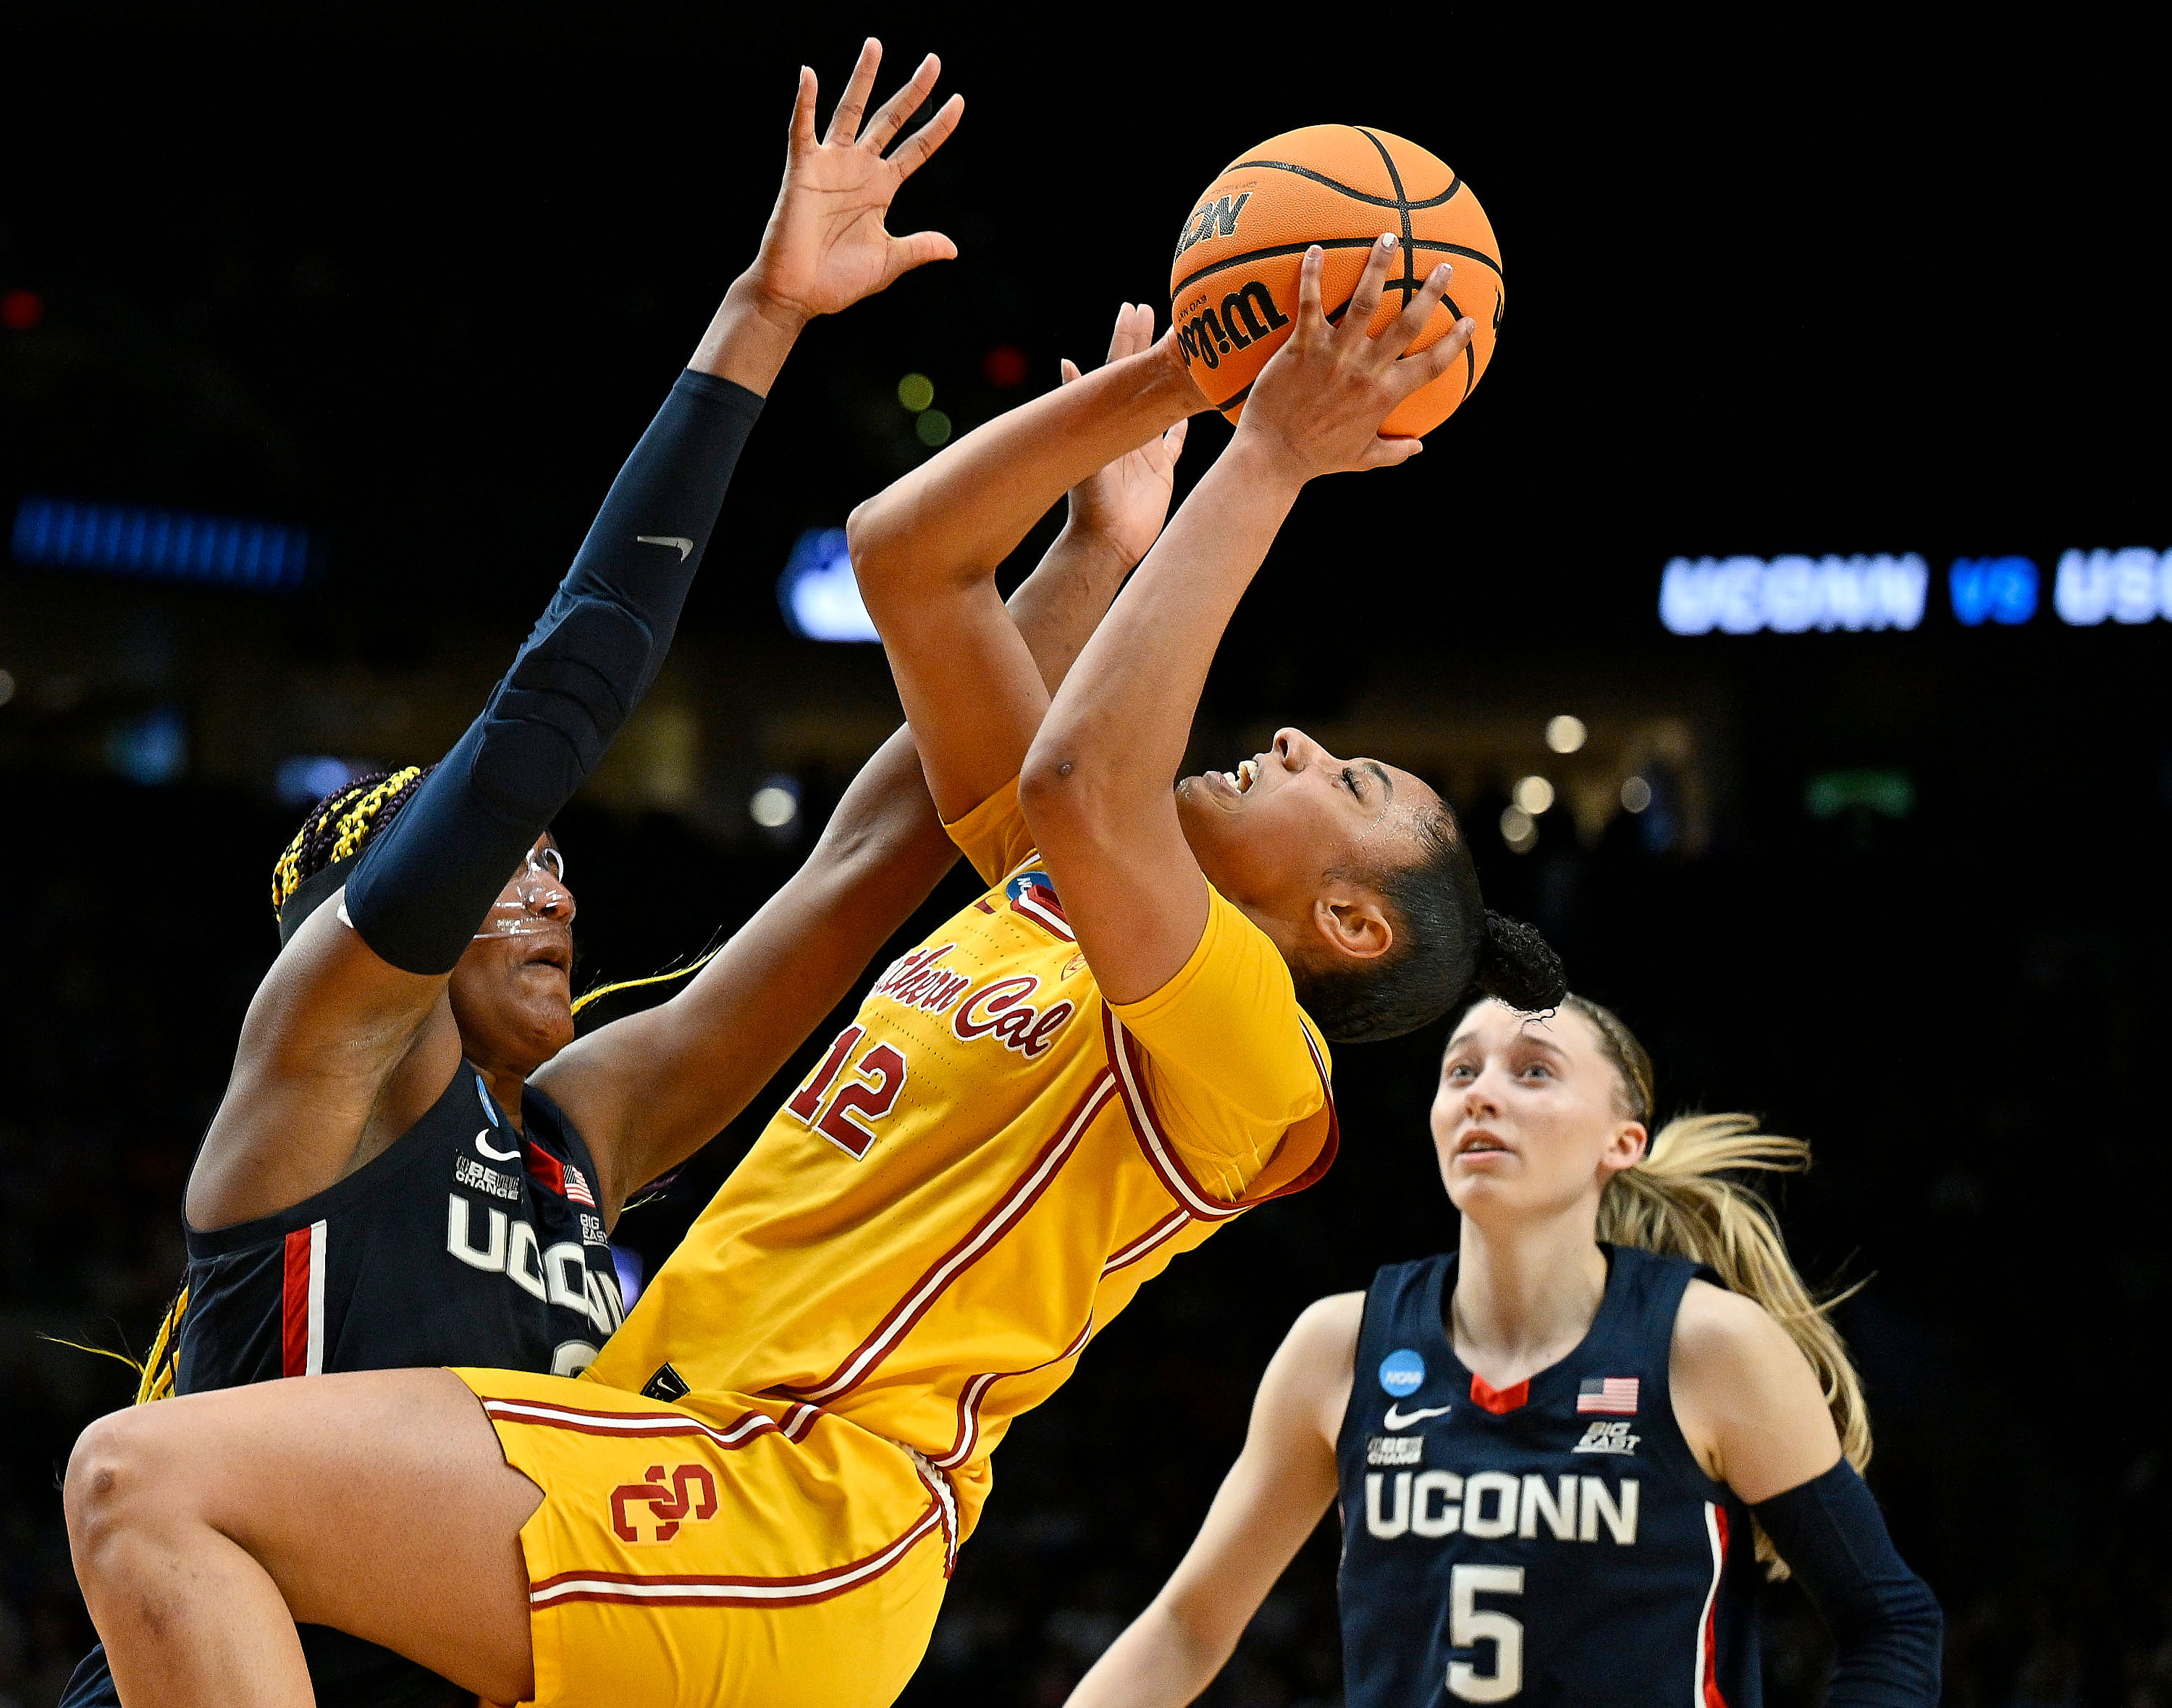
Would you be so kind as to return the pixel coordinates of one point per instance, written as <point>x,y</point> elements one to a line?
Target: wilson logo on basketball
<point>1218,218</point>
<point>1247,314</point>
<point>690,1493</point>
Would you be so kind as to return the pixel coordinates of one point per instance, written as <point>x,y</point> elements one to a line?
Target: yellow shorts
<point>772,1554</point>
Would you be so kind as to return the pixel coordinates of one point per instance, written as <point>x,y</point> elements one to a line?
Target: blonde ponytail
<point>1678,1200</point>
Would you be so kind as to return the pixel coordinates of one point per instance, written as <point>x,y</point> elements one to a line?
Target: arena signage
<point>1794,595</point>
<point>2129,586</point>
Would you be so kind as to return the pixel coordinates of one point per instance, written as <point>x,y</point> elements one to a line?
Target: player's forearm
<point>953,519</point>
<point>419,891</point>
<point>748,338</point>
<point>1160,1662</point>
<point>1116,730</point>
<point>1060,604</point>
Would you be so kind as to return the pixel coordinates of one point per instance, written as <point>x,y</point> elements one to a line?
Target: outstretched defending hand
<point>1126,502</point>
<point>1317,406</point>
<point>825,247</point>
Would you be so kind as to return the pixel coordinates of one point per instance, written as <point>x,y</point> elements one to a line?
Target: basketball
<point>1233,284</point>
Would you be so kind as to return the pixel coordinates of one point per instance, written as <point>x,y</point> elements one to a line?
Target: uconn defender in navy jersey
<point>414,1163</point>
<point>1560,1452</point>
<point>1554,1542</point>
<point>467,1239</point>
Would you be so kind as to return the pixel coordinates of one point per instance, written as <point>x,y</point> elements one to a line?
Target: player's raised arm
<point>926,551</point>
<point>1096,786</point>
<point>649,1090</point>
<point>351,1037</point>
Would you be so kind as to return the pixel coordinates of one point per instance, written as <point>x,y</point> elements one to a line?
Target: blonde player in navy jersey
<point>1562,1449</point>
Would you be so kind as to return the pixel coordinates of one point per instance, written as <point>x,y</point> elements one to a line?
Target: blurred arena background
<point>1819,485</point>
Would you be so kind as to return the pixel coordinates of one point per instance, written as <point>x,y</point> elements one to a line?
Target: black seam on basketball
<point>1409,278</point>
<point>1470,354</point>
<point>1235,398</point>
<point>1453,184</point>
<point>1262,255</point>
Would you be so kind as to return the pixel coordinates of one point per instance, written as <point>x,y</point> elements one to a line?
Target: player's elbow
<point>1055,791</point>
<point>868,534</point>
<point>871,541</point>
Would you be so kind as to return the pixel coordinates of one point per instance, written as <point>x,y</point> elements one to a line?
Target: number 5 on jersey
<point>1470,1624</point>
<point>869,1096</point>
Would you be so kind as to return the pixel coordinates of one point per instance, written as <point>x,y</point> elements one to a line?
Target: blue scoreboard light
<point>159,545</point>
<point>1794,595</point>
<point>819,597</point>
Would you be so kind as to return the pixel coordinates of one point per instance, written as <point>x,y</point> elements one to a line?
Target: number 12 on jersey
<point>1469,1624</point>
<point>878,1075</point>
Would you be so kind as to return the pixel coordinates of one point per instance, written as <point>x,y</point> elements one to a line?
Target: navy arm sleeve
<point>418,893</point>
<point>1885,1621</point>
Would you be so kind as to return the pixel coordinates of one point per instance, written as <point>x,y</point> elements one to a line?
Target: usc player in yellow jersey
<point>756,1494</point>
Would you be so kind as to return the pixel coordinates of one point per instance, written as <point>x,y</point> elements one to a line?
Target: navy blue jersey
<point>1556,1543</point>
<point>465,1242</point>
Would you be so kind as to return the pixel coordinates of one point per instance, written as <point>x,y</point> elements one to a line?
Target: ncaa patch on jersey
<point>1402,1372</point>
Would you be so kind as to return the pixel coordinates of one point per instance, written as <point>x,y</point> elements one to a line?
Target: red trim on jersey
<point>946,1507</point>
<point>1147,1244</point>
<point>580,1421</point>
<point>978,1242</point>
<point>1129,1060</point>
<point>1710,1683</point>
<point>1499,1401</point>
<point>645,1589</point>
<point>545,1169</point>
<point>1038,904</point>
<point>976,1390</point>
<point>294,1307</point>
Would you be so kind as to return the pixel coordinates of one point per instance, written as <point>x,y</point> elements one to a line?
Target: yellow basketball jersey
<point>982,1170</point>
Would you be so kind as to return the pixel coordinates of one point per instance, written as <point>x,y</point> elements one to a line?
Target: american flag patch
<point>577,1190</point>
<point>1614,1394</point>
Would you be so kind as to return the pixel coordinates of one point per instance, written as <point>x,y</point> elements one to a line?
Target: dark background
<point>414,278</point>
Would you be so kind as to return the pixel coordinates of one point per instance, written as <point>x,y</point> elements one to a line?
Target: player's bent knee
<point>115,1486</point>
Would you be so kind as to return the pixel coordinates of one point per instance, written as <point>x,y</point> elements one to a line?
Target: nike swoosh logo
<point>684,545</point>
<point>491,1151</point>
<point>1404,1420</point>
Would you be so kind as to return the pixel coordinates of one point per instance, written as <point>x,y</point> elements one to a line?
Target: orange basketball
<point>1232,285</point>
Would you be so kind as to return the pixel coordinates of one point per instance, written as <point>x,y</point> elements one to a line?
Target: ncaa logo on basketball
<point>1215,218</point>
<point>690,1492</point>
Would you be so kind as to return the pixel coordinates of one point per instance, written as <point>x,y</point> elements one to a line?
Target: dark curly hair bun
<point>1518,966</point>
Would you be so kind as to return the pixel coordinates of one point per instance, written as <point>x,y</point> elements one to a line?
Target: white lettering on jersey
<point>470,1173</point>
<point>523,1261</point>
<point>1395,1450</point>
<point>1425,1521</point>
<point>560,1276</point>
<point>1621,1520</point>
<point>1476,1520</point>
<point>1559,1512</point>
<point>1608,1438</point>
<point>1434,1504</point>
<point>491,1258</point>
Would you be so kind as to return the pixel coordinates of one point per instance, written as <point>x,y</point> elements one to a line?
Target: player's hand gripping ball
<point>1232,285</point>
